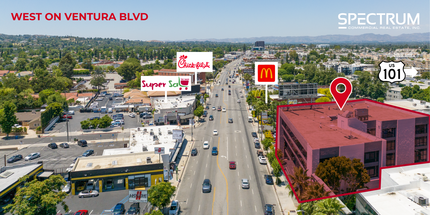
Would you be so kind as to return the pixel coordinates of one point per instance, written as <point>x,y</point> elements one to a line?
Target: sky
<point>192,19</point>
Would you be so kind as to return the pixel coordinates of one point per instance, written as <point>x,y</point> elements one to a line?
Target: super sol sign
<point>165,83</point>
<point>194,62</point>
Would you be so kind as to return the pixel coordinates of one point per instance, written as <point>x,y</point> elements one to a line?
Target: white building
<point>176,109</point>
<point>404,190</point>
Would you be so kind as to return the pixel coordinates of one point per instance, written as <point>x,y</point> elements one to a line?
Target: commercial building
<point>116,172</point>
<point>201,76</point>
<point>404,190</point>
<point>259,44</point>
<point>378,134</point>
<point>412,104</point>
<point>297,93</point>
<point>177,109</point>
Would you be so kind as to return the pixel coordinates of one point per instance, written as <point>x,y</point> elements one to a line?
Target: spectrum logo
<point>266,73</point>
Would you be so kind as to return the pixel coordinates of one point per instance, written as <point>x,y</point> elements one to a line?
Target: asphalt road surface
<point>234,143</point>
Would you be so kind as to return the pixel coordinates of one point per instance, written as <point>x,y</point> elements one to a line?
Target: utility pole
<point>67,127</point>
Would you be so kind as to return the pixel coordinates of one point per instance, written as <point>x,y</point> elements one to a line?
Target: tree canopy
<point>159,194</point>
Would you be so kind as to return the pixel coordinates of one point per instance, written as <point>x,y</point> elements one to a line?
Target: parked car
<point>134,209</point>
<point>230,120</point>
<point>81,212</point>
<point>14,158</point>
<point>87,153</point>
<point>82,143</point>
<point>32,156</point>
<point>119,209</point>
<point>269,209</point>
<point>132,115</point>
<point>174,208</point>
<point>206,145</point>
<point>214,150</point>
<point>71,112</point>
<point>93,118</point>
<point>90,184</point>
<point>238,101</point>
<point>66,188</point>
<point>64,145</point>
<point>257,145</point>
<point>254,134</point>
<point>205,114</point>
<point>232,165</point>
<point>194,152</point>
<point>70,168</point>
<point>206,186</point>
<point>67,116</point>
<point>52,145</point>
<point>268,179</point>
<point>262,160</point>
<point>245,183</point>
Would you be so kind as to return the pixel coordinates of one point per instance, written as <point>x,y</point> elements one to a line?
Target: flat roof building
<point>379,135</point>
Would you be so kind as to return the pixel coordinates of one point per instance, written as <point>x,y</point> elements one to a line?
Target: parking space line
<point>91,212</point>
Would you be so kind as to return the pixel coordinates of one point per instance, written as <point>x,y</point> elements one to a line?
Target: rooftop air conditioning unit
<point>427,106</point>
<point>148,160</point>
<point>410,99</point>
<point>425,178</point>
<point>414,104</point>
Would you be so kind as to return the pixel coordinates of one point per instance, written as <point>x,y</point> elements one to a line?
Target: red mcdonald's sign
<point>266,73</point>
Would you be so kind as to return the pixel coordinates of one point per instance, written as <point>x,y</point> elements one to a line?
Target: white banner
<point>158,150</point>
<point>138,196</point>
<point>194,62</point>
<point>177,134</point>
<point>165,83</point>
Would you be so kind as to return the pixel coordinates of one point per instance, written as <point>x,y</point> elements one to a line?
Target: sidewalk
<point>182,165</point>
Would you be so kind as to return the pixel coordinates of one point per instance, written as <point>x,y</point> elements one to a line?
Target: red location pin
<point>339,97</point>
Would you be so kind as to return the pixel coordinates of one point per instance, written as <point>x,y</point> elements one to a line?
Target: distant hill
<point>336,38</point>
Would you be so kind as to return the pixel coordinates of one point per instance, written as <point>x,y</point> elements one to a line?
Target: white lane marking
<point>237,173</point>
<point>199,207</point>
<point>236,154</point>
<point>91,212</point>
<point>252,191</point>
<point>194,172</point>
<point>204,176</point>
<point>248,165</point>
<point>227,148</point>
<point>246,156</point>
<point>255,208</point>
<point>250,177</point>
<point>240,203</point>
<point>206,165</point>
<point>191,185</point>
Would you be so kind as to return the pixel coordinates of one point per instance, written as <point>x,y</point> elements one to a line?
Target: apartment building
<point>378,134</point>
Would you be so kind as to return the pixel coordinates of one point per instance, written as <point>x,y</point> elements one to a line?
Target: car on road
<point>219,108</point>
<point>213,108</point>
<point>211,118</point>
<point>88,193</point>
<point>207,107</point>
<point>269,209</point>
<point>223,110</point>
<point>215,132</point>
<point>82,143</point>
<point>110,98</point>
<point>174,208</point>
<point>87,153</point>
<point>32,156</point>
<point>134,209</point>
<point>257,145</point>
<point>262,160</point>
<point>119,209</point>
<point>81,212</point>
<point>254,134</point>
<point>206,186</point>
<point>216,95</point>
<point>14,158</point>
<point>52,145</point>
<point>230,120</point>
<point>66,188</point>
<point>214,150</point>
<point>256,140</point>
<point>205,113</point>
<point>268,179</point>
<point>194,152</point>
<point>238,101</point>
<point>64,145</point>
<point>206,145</point>
<point>222,89</point>
<point>229,93</point>
<point>68,116</point>
<point>232,165</point>
<point>245,183</point>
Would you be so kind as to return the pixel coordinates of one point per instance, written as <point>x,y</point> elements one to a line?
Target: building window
<point>420,141</point>
<point>391,159</point>
<point>389,132</point>
<point>370,157</point>
<point>391,145</point>
<point>371,131</point>
<point>373,171</point>
<point>420,155</point>
<point>421,129</point>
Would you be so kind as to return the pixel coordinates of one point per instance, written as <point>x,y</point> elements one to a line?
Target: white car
<point>88,193</point>
<point>66,188</point>
<point>223,109</point>
<point>206,145</point>
<point>32,156</point>
<point>70,167</point>
<point>238,101</point>
<point>215,132</point>
<point>132,115</point>
<point>213,108</point>
<point>262,160</point>
<point>72,112</point>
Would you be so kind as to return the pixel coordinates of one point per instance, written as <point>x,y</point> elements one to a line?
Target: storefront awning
<point>189,116</point>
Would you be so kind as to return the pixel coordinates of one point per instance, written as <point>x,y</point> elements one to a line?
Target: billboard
<point>158,150</point>
<point>266,73</point>
<point>177,134</point>
<point>194,62</point>
<point>165,83</point>
<point>137,196</point>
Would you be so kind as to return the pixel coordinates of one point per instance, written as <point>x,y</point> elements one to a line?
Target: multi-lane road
<point>235,143</point>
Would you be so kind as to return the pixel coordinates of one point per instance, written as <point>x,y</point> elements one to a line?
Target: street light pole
<point>67,127</point>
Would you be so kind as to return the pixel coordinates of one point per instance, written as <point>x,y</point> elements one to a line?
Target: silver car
<point>66,188</point>
<point>32,156</point>
<point>245,183</point>
<point>88,193</point>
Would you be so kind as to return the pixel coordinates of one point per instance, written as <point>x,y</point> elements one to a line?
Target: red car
<point>232,164</point>
<point>81,212</point>
<point>65,116</point>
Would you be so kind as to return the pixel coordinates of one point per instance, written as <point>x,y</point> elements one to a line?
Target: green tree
<point>328,207</point>
<point>39,197</point>
<point>425,75</point>
<point>7,117</point>
<point>20,64</point>
<point>287,77</point>
<point>87,64</point>
<point>154,212</point>
<point>380,99</point>
<point>198,111</point>
<point>52,110</point>
<point>85,124</point>
<point>159,194</point>
<point>299,181</point>
<point>322,99</point>
<point>105,121</point>
<point>314,190</point>
<point>299,77</point>
<point>129,68</point>
<point>67,64</point>
<point>98,78</point>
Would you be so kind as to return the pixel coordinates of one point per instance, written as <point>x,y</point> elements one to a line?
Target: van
<point>250,119</point>
<point>82,143</point>
<point>110,110</point>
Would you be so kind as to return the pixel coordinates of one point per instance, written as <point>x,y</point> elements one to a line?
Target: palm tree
<point>328,207</point>
<point>299,181</point>
<point>307,207</point>
<point>314,191</point>
<point>290,193</point>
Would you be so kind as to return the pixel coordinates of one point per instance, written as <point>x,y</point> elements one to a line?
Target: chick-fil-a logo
<point>182,63</point>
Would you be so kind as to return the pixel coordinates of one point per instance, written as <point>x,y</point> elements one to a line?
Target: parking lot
<point>58,159</point>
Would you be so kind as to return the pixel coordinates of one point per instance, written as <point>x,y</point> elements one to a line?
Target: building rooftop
<point>411,104</point>
<point>114,161</point>
<point>320,131</point>
<point>172,102</point>
<point>10,175</point>
<point>399,185</point>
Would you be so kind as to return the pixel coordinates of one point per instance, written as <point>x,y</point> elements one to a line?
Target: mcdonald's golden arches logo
<point>266,73</point>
